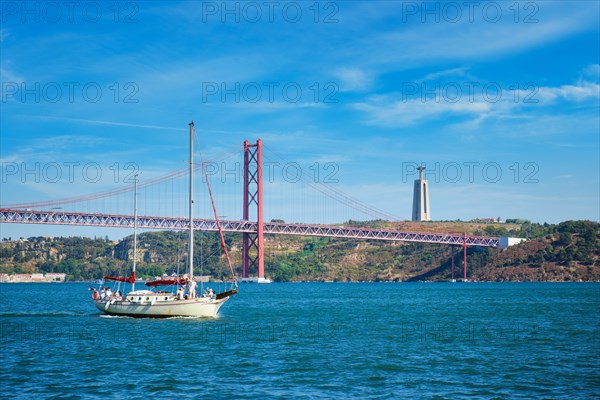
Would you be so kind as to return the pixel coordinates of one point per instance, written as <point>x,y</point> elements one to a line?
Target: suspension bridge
<point>251,225</point>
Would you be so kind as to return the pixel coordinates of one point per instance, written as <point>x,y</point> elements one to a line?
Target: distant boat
<point>255,280</point>
<point>99,281</point>
<point>182,302</point>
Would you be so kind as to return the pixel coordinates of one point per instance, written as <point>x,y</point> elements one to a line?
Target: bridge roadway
<point>56,217</point>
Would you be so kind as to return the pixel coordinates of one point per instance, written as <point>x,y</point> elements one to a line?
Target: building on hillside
<point>35,277</point>
<point>504,242</point>
<point>487,220</point>
<point>55,277</point>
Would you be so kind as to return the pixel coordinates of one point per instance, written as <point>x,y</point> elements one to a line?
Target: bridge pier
<point>253,243</point>
<point>452,248</point>
<point>465,257</point>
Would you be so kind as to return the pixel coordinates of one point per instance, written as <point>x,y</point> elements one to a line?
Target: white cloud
<point>7,76</point>
<point>410,43</point>
<point>592,71</point>
<point>407,108</point>
<point>12,159</point>
<point>269,106</point>
<point>382,110</point>
<point>3,34</point>
<point>460,72</point>
<point>353,79</point>
<point>581,92</point>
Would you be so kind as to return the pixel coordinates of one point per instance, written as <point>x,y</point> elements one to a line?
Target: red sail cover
<point>131,279</point>
<point>165,282</point>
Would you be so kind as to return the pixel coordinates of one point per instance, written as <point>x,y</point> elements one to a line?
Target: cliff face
<point>41,254</point>
<point>569,251</point>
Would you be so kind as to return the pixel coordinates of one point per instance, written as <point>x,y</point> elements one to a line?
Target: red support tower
<point>465,257</point>
<point>253,243</point>
<point>452,248</point>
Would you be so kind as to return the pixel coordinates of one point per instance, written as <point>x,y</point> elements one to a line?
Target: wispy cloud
<point>592,71</point>
<point>452,72</point>
<point>8,80</point>
<point>272,106</point>
<point>9,76</point>
<point>400,109</point>
<point>408,43</point>
<point>110,123</point>
<point>583,91</point>
<point>353,79</point>
<point>65,148</point>
<point>384,111</point>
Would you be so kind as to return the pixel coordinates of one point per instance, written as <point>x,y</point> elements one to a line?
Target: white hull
<point>255,280</point>
<point>200,307</point>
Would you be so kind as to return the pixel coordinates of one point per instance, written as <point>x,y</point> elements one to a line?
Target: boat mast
<point>134,231</point>
<point>191,240</point>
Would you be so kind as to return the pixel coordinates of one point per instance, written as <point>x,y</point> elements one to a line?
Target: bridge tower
<point>253,243</point>
<point>464,257</point>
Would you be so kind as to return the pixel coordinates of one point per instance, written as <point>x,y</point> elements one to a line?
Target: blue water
<point>311,340</point>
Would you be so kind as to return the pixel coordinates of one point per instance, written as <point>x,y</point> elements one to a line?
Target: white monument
<point>421,210</point>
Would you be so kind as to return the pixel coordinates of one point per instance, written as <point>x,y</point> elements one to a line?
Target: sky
<point>499,100</point>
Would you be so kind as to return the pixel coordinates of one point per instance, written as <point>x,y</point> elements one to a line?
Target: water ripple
<point>311,341</point>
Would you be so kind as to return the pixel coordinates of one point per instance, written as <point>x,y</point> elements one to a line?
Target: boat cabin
<point>143,296</point>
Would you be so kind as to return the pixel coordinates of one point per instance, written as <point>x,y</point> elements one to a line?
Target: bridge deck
<point>125,221</point>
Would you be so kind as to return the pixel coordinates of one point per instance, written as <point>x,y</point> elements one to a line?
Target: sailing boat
<point>148,303</point>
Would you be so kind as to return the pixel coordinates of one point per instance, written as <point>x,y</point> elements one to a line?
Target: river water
<point>310,340</point>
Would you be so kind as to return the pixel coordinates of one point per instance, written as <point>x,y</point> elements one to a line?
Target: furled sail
<point>131,278</point>
<point>165,282</point>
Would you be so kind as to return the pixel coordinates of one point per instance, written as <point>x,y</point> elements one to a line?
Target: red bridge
<point>253,231</point>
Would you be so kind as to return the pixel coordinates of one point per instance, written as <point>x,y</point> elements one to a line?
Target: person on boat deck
<point>180,293</point>
<point>108,293</point>
<point>192,289</point>
<point>95,295</point>
<point>185,284</point>
<point>102,294</point>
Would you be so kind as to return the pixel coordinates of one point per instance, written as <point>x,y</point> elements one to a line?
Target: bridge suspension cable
<point>114,192</point>
<point>338,195</point>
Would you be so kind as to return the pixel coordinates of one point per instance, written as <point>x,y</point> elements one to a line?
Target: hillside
<point>569,251</point>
